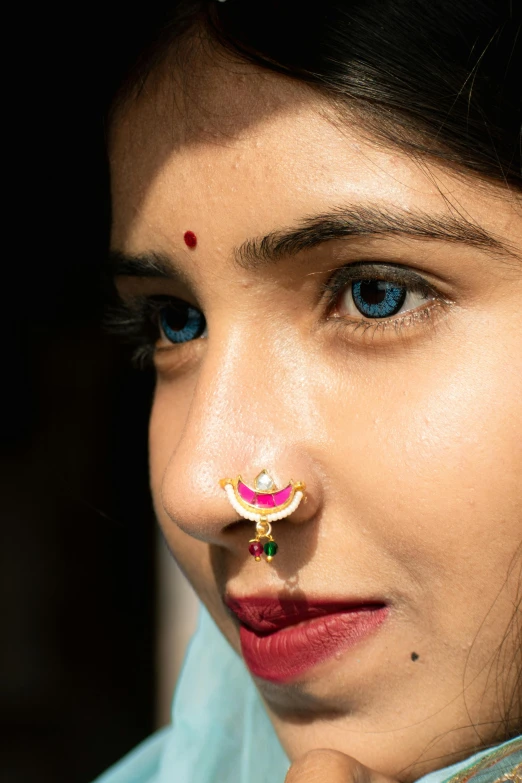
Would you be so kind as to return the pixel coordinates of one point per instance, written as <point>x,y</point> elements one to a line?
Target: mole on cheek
<point>190,238</point>
<point>414,656</point>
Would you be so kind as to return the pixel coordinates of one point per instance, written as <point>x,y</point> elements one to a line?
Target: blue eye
<point>378,298</point>
<point>180,322</point>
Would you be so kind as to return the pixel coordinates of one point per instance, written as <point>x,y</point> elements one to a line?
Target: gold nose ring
<point>263,504</point>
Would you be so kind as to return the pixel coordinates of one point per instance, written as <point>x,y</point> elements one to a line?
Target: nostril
<point>242,525</point>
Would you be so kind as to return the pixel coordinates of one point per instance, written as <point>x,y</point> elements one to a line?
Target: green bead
<point>270,548</point>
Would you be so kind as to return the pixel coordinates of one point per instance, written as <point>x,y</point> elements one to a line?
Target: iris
<point>180,322</point>
<point>378,298</point>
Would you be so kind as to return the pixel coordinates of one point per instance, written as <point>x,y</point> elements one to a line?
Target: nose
<point>245,415</point>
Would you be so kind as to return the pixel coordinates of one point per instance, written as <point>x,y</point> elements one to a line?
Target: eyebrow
<point>341,223</point>
<point>150,265</point>
<point>369,222</point>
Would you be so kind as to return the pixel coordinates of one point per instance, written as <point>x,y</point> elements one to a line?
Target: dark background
<point>78,537</point>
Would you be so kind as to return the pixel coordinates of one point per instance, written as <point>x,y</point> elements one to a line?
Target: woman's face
<point>375,354</point>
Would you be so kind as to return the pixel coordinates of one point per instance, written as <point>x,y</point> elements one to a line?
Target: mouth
<point>282,639</point>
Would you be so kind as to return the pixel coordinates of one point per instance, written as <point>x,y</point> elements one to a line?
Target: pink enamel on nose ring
<point>263,505</point>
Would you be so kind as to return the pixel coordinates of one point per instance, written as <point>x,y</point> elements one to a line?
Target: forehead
<point>220,136</point>
<point>231,151</point>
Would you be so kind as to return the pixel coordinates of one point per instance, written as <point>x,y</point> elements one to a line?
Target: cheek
<point>165,429</point>
<point>167,421</point>
<point>432,469</point>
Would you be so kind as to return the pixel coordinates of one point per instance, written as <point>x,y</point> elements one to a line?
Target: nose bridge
<point>232,406</point>
<point>234,425</point>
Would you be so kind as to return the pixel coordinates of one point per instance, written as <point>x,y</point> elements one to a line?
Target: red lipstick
<point>281,639</point>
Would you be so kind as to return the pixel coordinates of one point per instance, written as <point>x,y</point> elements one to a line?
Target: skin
<point>408,440</point>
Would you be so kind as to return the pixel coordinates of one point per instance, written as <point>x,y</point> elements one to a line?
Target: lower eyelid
<point>174,358</point>
<point>369,331</point>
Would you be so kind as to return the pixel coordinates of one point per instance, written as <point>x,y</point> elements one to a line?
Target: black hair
<point>434,77</point>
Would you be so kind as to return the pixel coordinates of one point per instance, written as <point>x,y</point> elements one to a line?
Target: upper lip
<point>266,615</point>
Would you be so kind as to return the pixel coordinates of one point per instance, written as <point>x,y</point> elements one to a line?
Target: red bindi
<point>190,238</point>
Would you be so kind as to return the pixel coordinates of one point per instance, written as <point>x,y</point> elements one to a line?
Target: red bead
<point>190,238</point>
<point>256,549</point>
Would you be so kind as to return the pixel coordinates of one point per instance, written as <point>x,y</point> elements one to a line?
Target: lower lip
<point>287,654</point>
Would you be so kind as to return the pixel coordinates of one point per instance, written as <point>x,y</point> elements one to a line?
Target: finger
<point>331,766</point>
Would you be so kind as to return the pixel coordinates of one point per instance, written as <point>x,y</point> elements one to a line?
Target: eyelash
<point>136,320</point>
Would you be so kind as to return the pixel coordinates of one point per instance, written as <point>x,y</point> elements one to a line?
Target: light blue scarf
<point>220,731</point>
